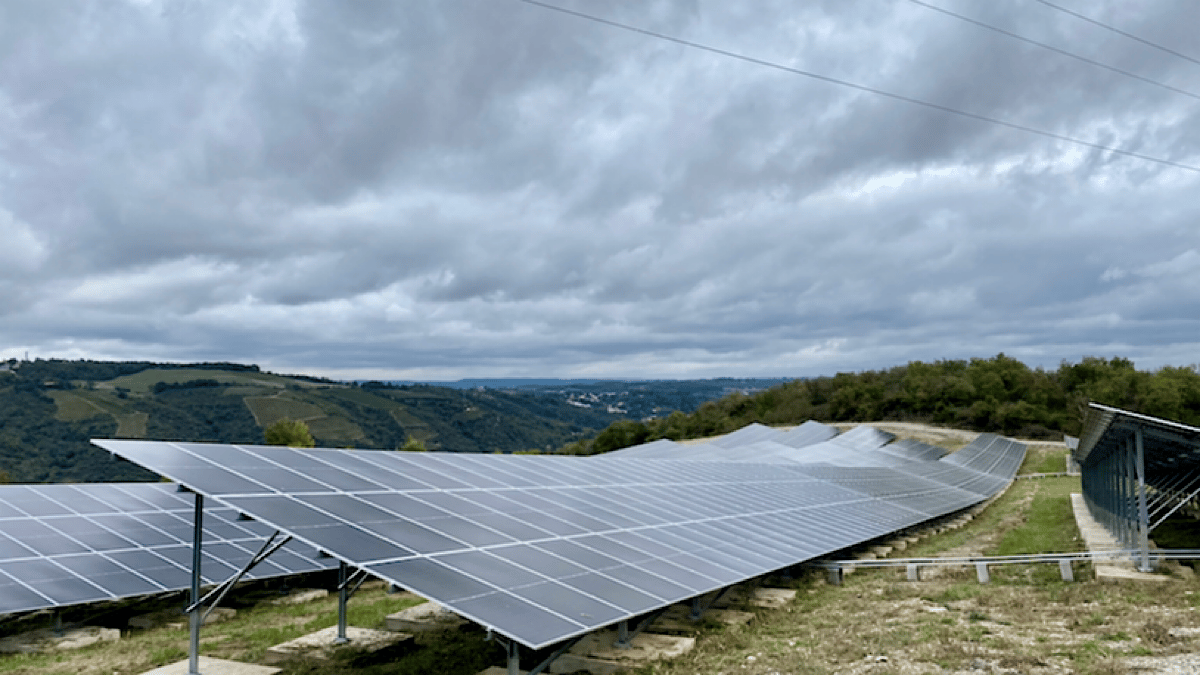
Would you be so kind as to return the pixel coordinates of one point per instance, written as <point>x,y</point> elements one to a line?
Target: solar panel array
<point>809,443</point>
<point>1137,471</point>
<point>544,548</point>
<point>73,544</point>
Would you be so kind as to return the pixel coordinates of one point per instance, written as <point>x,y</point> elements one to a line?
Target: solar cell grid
<point>100,542</point>
<point>479,533</point>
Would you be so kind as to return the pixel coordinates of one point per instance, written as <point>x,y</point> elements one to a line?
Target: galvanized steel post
<point>514,658</point>
<point>196,615</point>
<point>1143,517</point>
<point>343,596</point>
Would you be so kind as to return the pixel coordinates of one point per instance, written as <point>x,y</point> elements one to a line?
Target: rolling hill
<point>49,409</point>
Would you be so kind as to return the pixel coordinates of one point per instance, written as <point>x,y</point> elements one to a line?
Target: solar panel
<point>544,548</point>
<point>755,442</point>
<point>72,544</point>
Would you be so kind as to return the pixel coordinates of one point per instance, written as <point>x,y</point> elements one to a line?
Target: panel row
<point>72,544</point>
<point>542,548</point>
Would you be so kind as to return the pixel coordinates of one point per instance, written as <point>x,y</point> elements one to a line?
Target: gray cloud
<point>473,188</point>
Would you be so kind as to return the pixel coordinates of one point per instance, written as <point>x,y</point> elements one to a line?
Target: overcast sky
<point>488,188</point>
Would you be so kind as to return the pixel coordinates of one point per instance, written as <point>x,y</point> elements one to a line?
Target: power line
<point>1054,49</point>
<point>862,87</point>
<point>1118,31</point>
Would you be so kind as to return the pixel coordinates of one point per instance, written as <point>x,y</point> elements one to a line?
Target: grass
<point>270,409</point>
<point>1049,523</point>
<point>1025,620</point>
<point>1044,459</point>
<point>142,382</point>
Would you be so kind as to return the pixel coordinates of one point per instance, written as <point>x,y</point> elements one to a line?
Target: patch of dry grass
<point>1027,620</point>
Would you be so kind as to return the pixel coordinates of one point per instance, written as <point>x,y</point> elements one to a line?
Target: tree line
<point>999,394</point>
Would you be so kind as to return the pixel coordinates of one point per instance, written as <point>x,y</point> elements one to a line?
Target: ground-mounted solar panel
<point>64,545</point>
<point>863,437</point>
<point>751,433</point>
<point>758,443</point>
<point>914,450</point>
<point>544,548</point>
<point>807,434</point>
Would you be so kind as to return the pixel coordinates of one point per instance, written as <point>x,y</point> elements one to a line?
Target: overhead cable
<point>1118,31</point>
<point>1054,49</point>
<point>864,88</point>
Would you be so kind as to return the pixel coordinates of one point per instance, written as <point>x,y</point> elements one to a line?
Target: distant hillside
<point>636,399</point>
<point>999,394</point>
<point>644,399</point>
<point>499,382</point>
<point>49,409</point>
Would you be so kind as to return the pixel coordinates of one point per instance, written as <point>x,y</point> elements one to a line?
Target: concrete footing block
<point>1116,575</point>
<point>322,645</point>
<point>211,666</point>
<point>1064,568</point>
<point>678,619</point>
<point>765,598</point>
<point>597,653</point>
<point>500,670</point>
<point>772,598</point>
<point>50,640</point>
<point>914,572</point>
<point>574,663</point>
<point>423,618</point>
<point>982,573</point>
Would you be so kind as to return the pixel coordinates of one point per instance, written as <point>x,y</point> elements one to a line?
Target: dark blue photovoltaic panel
<point>72,544</point>
<point>544,548</point>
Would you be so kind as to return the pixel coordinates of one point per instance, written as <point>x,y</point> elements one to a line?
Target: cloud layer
<point>472,188</point>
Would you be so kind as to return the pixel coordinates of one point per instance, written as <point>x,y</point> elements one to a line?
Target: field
<point>1025,621</point>
<point>141,383</point>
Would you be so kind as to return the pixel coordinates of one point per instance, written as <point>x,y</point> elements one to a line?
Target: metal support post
<point>343,596</point>
<point>541,667</point>
<point>835,575</point>
<point>1143,517</point>
<point>622,635</point>
<point>981,573</point>
<point>1064,568</point>
<point>1128,508</point>
<point>194,616</point>
<point>514,658</point>
<point>698,608</point>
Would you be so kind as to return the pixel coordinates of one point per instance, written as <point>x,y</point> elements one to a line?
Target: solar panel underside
<point>64,545</point>
<point>544,548</point>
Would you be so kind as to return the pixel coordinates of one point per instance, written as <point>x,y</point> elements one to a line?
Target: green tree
<point>292,433</point>
<point>414,444</point>
<point>619,435</point>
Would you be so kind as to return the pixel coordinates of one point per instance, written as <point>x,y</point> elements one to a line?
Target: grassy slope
<point>44,430</point>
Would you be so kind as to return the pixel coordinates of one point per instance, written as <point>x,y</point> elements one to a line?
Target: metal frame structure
<point>1137,471</point>
<point>542,549</point>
